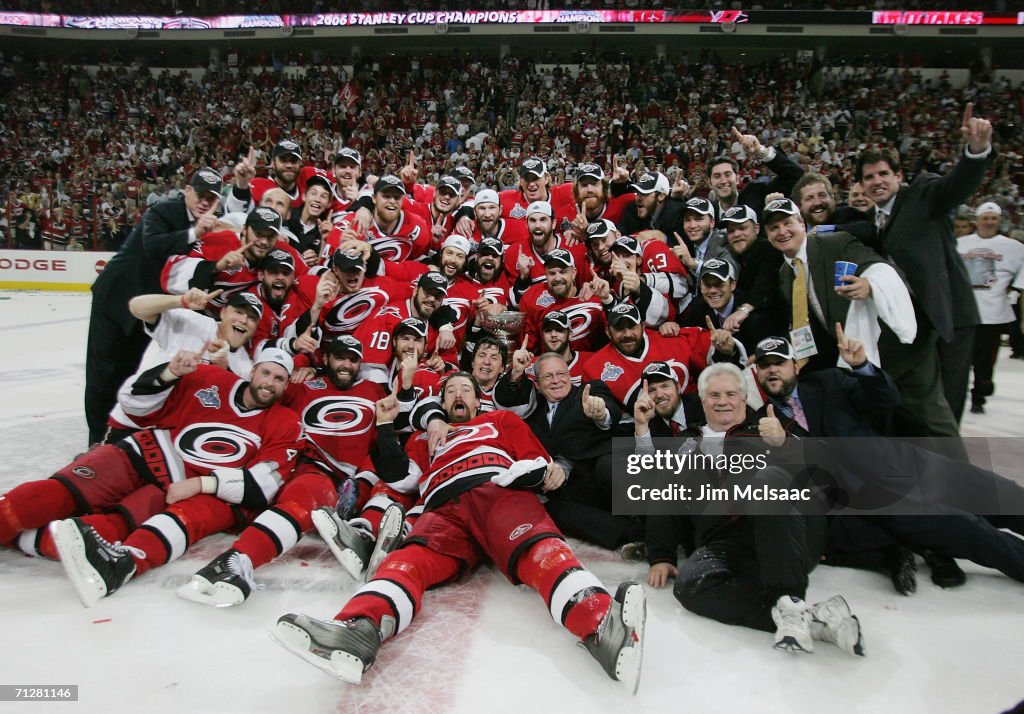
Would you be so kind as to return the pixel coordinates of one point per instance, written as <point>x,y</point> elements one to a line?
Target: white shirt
<point>994,265</point>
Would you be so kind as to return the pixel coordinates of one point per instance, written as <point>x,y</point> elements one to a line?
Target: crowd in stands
<point>205,8</point>
<point>82,156</point>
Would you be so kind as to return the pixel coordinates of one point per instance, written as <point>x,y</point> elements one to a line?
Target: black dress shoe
<point>902,568</point>
<point>945,572</point>
<point>977,409</point>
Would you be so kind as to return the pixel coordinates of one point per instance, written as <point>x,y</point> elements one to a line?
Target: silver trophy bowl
<point>505,326</point>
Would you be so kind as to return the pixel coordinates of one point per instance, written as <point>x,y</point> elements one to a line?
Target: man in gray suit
<point>915,234</point>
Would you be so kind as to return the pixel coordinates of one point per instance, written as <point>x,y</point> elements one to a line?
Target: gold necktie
<point>800,305</point>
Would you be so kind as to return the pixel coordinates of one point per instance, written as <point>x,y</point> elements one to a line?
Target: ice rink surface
<point>480,645</point>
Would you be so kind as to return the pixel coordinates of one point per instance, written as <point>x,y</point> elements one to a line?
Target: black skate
<point>342,649</point>
<point>618,643</point>
<point>226,581</point>
<point>96,568</point>
<point>389,537</point>
<point>351,546</point>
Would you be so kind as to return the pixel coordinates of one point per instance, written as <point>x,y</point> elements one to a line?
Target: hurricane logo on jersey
<point>331,416</point>
<point>350,310</point>
<point>457,437</point>
<point>391,249</point>
<point>213,445</point>
<point>581,319</point>
<point>611,372</point>
<point>209,397</point>
<point>462,311</point>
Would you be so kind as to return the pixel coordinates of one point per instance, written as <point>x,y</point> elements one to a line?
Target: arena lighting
<point>512,17</point>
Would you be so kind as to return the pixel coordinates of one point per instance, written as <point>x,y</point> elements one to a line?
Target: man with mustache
<point>524,262</point>
<point>559,292</point>
<point>247,189</point>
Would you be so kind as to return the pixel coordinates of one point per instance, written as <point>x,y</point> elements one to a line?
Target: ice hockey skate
<point>618,643</point>
<point>96,568</point>
<point>389,537</point>
<point>228,580</point>
<point>832,621</point>
<point>793,619</point>
<point>342,649</point>
<point>350,546</point>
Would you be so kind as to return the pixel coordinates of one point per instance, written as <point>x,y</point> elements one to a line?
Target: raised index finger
<point>736,133</point>
<point>214,207</point>
<point>968,113</point>
<point>840,335</point>
<point>252,155</point>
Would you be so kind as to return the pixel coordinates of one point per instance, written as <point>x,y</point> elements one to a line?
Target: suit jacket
<point>787,173</point>
<point>669,221</point>
<point>135,269</point>
<point>919,240</point>
<point>571,434</point>
<point>822,253</point>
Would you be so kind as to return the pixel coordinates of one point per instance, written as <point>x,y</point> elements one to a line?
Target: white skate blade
<point>204,592</point>
<point>328,531</point>
<point>630,661</point>
<point>71,549</point>
<point>340,665</point>
<point>389,531</point>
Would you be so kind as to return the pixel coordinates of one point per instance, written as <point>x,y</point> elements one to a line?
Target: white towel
<point>890,302</point>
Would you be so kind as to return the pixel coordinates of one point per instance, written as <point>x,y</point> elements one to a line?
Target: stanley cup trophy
<point>505,326</point>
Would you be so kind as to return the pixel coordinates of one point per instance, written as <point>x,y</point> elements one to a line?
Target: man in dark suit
<point>575,426</point>
<point>837,404</point>
<point>915,233</point>
<point>116,338</point>
<point>718,301</point>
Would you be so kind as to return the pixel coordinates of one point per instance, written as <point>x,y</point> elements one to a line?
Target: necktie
<point>675,427</point>
<point>551,412</point>
<point>881,219</point>
<point>798,411</point>
<point>800,314</point>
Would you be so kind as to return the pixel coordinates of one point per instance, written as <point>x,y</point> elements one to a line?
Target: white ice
<point>480,645</point>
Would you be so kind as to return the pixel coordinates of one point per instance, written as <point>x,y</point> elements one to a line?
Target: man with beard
<point>652,207</point>
<point>395,233</point>
<point>592,199</point>
<point>559,292</point>
<point>339,422</point>
<point>838,404</point>
<point>116,339</point>
<point>439,211</point>
<point>220,262</point>
<point>814,194</point>
<point>620,363</point>
<point>490,224</point>
<point>745,570</point>
<point>723,175</point>
<point>487,273</point>
<point>534,187</point>
<point>700,241</point>
<point>629,283</point>
<point>475,507</point>
<point>525,262</point>
<point>359,297</point>
<point>348,169</point>
<point>285,296</point>
<point>757,278</point>
<point>159,490</point>
<point>247,190</point>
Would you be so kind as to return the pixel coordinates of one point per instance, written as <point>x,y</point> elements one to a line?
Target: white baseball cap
<point>989,207</point>
<point>540,207</point>
<point>486,196</point>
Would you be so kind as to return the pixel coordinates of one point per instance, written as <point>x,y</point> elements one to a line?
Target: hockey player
<point>476,491</point>
<point>247,190</point>
<point>338,418</point>
<point>559,292</point>
<point>216,446</point>
<point>395,233</point>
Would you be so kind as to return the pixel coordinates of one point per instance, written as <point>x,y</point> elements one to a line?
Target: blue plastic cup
<point>844,268</point>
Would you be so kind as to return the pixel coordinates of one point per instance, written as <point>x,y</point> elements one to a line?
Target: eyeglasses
<point>553,376</point>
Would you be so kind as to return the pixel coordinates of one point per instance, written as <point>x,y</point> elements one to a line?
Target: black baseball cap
<point>780,207</point>
<point>206,180</point>
<point>623,312</point>
<point>559,255</point>
<point>278,257</point>
<point>555,317</point>
<point>589,169</point>
<point>261,218</point>
<point>774,347</point>
<point>627,244</point>
<point>348,260</point>
<point>345,343</point>
<point>658,372</point>
<point>287,147</point>
<point>533,167</point>
<point>389,181</point>
<point>739,214</point>
<point>451,183</point>
<point>651,182</point>
<point>349,154</point>
<point>701,206</point>
<point>247,300</point>
<point>600,228</point>
<point>492,245</point>
<point>411,324</point>
<point>433,280</point>
<point>721,269</point>
<point>463,173</point>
